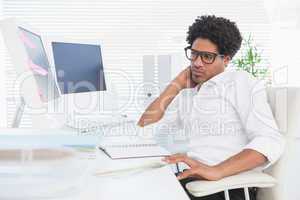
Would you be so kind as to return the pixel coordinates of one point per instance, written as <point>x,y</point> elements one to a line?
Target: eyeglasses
<point>206,57</point>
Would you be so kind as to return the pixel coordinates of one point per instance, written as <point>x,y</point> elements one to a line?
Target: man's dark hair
<point>222,32</point>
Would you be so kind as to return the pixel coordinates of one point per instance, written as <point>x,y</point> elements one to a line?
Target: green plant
<point>250,59</point>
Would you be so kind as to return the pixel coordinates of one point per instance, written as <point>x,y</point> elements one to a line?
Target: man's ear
<point>226,60</point>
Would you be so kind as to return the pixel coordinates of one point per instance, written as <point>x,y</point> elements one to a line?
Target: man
<point>226,113</point>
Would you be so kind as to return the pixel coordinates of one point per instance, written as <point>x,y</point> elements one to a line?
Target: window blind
<point>3,117</point>
<point>130,29</point>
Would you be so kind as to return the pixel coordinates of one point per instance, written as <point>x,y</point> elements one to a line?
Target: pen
<point>104,151</point>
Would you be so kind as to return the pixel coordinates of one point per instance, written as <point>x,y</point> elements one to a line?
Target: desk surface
<point>155,184</point>
<point>159,183</point>
<point>152,184</point>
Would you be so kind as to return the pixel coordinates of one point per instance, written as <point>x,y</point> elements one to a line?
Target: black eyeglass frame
<point>200,53</point>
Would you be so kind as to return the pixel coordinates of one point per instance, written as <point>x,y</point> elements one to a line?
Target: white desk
<point>158,183</point>
<point>153,184</point>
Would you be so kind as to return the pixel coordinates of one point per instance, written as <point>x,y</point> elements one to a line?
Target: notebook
<point>137,150</point>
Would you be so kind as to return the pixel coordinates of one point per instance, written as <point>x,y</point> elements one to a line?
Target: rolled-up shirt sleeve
<point>258,121</point>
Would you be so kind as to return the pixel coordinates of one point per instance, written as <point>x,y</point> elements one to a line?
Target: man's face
<point>202,71</point>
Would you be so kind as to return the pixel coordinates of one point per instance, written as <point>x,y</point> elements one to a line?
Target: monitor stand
<point>18,114</point>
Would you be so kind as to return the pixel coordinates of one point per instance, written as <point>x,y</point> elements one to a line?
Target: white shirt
<point>227,114</point>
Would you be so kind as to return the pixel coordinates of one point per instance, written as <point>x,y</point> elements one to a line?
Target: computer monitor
<point>38,63</point>
<point>85,84</point>
<point>35,82</point>
<point>78,67</point>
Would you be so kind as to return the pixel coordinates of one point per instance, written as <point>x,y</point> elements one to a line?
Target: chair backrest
<point>285,105</point>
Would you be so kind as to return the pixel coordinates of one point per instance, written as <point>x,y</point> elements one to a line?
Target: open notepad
<point>131,141</point>
<point>138,150</point>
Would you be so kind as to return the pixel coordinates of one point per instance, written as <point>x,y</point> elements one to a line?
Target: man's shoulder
<point>239,74</point>
<point>245,83</point>
<point>230,76</point>
<point>240,77</point>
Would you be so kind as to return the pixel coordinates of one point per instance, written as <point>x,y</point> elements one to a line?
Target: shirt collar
<point>216,80</point>
<point>219,78</point>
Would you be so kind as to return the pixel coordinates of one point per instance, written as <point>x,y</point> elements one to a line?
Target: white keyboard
<point>85,125</point>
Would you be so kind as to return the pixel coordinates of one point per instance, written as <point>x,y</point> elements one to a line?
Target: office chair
<point>277,182</point>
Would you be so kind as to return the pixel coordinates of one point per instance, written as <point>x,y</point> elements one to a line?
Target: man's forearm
<point>156,109</point>
<point>245,160</point>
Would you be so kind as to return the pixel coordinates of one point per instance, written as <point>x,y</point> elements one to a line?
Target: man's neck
<point>199,86</point>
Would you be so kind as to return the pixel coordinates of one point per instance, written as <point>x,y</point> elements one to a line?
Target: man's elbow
<point>257,157</point>
<point>147,120</point>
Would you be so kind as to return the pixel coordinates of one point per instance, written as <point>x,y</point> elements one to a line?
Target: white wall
<point>159,29</point>
<point>3,112</point>
<point>164,25</point>
<point>285,60</point>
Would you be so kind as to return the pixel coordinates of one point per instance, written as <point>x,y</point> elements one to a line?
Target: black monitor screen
<point>79,67</point>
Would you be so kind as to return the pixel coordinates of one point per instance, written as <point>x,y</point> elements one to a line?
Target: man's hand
<point>156,109</point>
<point>245,160</point>
<point>197,169</point>
<point>184,79</point>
